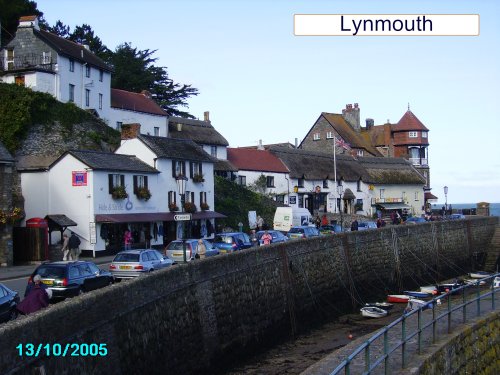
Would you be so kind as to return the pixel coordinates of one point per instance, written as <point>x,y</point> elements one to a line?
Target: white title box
<point>386,24</point>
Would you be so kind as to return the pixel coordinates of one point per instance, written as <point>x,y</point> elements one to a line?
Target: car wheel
<point>13,314</point>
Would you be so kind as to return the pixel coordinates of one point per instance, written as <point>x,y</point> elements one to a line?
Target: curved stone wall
<point>190,318</point>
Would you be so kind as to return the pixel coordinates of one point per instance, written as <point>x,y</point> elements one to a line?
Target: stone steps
<point>493,252</point>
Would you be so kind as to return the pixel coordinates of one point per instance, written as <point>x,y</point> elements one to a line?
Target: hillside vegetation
<point>23,111</point>
<point>235,201</point>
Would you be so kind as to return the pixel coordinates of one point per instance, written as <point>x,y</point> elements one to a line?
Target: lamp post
<point>340,190</point>
<point>181,187</point>
<point>445,200</point>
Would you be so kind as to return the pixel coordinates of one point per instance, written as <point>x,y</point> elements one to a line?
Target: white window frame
<point>424,134</point>
<point>87,98</point>
<point>46,57</point>
<point>382,193</point>
<point>412,134</point>
<point>71,93</point>
<point>360,153</point>
<point>316,137</point>
<point>213,151</point>
<point>156,131</point>
<point>329,135</point>
<point>417,196</point>
<point>100,101</point>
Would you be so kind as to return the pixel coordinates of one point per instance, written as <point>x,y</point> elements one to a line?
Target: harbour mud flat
<point>294,356</point>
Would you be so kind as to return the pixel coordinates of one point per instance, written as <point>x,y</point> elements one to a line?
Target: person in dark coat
<point>354,225</point>
<point>36,299</point>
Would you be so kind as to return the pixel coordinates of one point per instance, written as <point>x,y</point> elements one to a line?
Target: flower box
<point>204,206</point>
<point>143,193</point>
<point>119,192</point>
<point>173,207</point>
<point>189,207</point>
<point>198,178</point>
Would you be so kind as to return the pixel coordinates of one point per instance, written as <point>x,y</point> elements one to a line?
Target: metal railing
<point>391,347</point>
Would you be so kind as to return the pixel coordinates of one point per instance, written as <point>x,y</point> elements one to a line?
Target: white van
<point>287,217</point>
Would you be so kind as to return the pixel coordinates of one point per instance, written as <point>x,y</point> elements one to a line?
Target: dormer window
<point>413,134</point>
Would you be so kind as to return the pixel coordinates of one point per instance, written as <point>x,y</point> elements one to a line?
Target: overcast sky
<point>259,81</point>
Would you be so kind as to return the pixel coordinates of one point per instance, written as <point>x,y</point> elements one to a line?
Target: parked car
<point>415,220</point>
<point>364,225</point>
<point>175,249</point>
<point>275,234</point>
<point>329,229</point>
<point>8,302</point>
<point>69,279</point>
<point>302,231</point>
<point>133,263</point>
<point>231,241</point>
<point>456,217</point>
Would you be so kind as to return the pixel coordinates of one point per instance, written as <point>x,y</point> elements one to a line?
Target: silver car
<point>132,263</point>
<point>175,250</point>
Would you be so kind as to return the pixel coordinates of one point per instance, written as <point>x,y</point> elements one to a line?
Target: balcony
<point>27,62</point>
<point>418,161</point>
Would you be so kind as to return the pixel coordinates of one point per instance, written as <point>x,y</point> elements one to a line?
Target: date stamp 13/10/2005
<point>62,350</point>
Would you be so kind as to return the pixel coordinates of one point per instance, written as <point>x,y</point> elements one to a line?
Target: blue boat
<point>417,294</point>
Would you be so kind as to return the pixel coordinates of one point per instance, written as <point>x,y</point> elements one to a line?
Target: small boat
<point>449,287</point>
<point>414,293</point>
<point>414,303</point>
<point>431,289</point>
<point>398,298</point>
<point>479,274</point>
<point>381,305</point>
<point>496,282</point>
<point>373,312</point>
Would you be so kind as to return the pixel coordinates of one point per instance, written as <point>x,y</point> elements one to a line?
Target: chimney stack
<point>206,116</point>
<point>369,123</point>
<point>130,131</point>
<point>260,146</point>
<point>29,22</point>
<point>351,115</point>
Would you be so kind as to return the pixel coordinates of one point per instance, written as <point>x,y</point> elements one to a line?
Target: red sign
<point>79,178</point>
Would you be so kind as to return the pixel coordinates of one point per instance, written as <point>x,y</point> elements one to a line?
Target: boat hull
<point>398,298</point>
<point>381,305</point>
<point>414,293</point>
<point>373,312</point>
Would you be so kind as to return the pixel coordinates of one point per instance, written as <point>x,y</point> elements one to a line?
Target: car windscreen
<point>51,272</point>
<point>296,230</point>
<point>126,257</point>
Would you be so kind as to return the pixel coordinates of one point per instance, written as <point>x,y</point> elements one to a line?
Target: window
<point>270,181</point>
<point>424,134</point>
<point>329,135</point>
<point>140,182</point>
<point>382,192</point>
<point>195,169</point>
<point>101,75</point>
<point>115,180</point>
<point>19,80</point>
<point>87,97</point>
<point>10,59</point>
<point>316,136</point>
<point>413,134</point>
<point>171,197</point>
<point>203,197</point>
<point>242,180</point>
<point>71,65</point>
<point>71,93</point>
<point>404,196</point>
<point>45,57</point>
<point>190,196</point>
<point>213,151</point>
<point>359,185</point>
<point>156,131</point>
<point>119,125</point>
<point>178,168</point>
<point>280,198</point>
<point>325,184</point>
<point>416,196</point>
<point>300,182</point>
<point>87,71</point>
<point>100,101</point>
<point>360,153</point>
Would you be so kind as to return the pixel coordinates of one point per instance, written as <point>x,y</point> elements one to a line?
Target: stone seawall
<point>189,318</point>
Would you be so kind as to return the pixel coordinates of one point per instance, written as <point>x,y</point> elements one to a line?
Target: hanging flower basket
<point>143,193</point>
<point>10,216</point>
<point>119,192</point>
<point>204,206</point>
<point>173,207</point>
<point>198,178</point>
<point>190,207</point>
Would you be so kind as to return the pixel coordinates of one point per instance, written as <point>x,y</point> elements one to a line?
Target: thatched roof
<point>170,148</point>
<point>390,171</point>
<point>201,132</point>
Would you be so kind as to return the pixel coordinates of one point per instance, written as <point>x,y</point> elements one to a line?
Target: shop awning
<point>154,216</point>
<point>429,196</point>
<point>393,206</point>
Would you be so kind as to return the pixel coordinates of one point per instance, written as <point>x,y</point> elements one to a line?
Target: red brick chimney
<point>130,131</point>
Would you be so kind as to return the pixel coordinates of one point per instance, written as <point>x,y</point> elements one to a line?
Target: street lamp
<point>340,190</point>
<point>445,200</point>
<point>181,187</point>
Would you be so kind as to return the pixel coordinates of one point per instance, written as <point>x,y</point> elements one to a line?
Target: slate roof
<point>5,156</point>
<point>224,166</point>
<point>255,160</point>
<point>201,132</point>
<point>138,102</point>
<point>313,165</point>
<point>108,161</point>
<point>409,122</point>
<point>170,148</point>
<point>391,171</point>
<point>71,49</point>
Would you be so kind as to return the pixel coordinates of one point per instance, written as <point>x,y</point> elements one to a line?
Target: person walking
<point>65,248</point>
<point>127,240</point>
<point>266,238</point>
<point>36,299</point>
<point>74,246</point>
<point>260,222</point>
<point>202,249</point>
<point>354,225</point>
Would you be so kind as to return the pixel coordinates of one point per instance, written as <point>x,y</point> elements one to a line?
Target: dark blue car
<point>231,241</point>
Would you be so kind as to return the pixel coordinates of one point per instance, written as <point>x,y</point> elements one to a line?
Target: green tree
<point>260,185</point>
<point>10,12</point>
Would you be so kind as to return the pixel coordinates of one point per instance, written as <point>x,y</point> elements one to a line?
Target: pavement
<point>25,270</point>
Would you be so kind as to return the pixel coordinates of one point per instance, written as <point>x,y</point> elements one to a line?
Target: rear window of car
<point>225,239</point>
<point>126,257</point>
<point>297,230</point>
<point>51,272</point>
<point>178,246</point>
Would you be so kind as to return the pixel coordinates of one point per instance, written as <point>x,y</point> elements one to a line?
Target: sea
<point>494,207</point>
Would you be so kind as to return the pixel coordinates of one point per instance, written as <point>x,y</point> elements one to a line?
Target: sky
<point>261,82</point>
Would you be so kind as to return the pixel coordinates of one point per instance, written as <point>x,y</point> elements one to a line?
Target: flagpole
<point>335,170</point>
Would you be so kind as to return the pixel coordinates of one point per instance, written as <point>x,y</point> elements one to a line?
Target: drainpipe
<point>288,188</point>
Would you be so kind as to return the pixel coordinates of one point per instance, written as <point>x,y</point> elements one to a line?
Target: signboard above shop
<point>182,217</point>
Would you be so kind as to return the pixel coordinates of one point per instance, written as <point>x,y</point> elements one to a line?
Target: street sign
<point>182,217</point>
